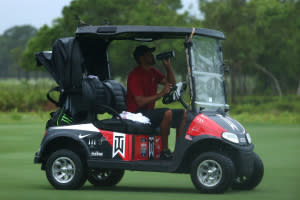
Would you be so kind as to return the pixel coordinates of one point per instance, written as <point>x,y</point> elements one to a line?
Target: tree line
<point>12,45</point>
<point>263,41</point>
<point>261,46</point>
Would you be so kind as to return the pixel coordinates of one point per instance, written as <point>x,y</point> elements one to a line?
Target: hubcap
<point>209,173</point>
<point>63,169</point>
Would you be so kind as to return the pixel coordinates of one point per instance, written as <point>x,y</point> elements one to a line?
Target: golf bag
<point>84,90</point>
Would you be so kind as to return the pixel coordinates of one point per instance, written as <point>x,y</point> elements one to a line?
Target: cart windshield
<point>207,74</point>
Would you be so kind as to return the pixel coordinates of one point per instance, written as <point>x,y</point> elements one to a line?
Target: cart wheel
<point>212,172</point>
<point>250,182</point>
<point>105,177</point>
<point>65,170</point>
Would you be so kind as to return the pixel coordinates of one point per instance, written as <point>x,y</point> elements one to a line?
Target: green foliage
<point>12,44</point>
<point>284,117</point>
<point>261,34</point>
<point>277,31</point>
<point>25,95</point>
<point>262,104</point>
<point>42,41</point>
<point>270,109</point>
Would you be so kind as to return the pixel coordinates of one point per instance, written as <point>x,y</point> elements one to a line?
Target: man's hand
<point>143,101</point>
<point>167,63</point>
<point>166,89</point>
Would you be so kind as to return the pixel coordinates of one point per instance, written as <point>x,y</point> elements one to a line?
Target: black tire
<point>105,177</point>
<point>218,169</point>
<point>65,170</point>
<point>250,182</point>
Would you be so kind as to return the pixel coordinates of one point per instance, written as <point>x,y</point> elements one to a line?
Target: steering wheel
<point>175,93</point>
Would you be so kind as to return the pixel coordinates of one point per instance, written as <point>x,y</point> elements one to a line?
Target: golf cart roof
<point>142,33</point>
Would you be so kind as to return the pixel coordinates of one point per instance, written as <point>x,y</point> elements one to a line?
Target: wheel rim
<point>63,169</point>
<point>209,173</point>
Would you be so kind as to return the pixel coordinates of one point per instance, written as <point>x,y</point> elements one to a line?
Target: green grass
<point>277,145</point>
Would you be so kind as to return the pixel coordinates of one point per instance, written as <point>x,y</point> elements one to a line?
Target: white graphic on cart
<point>119,144</point>
<point>83,136</point>
<point>92,143</point>
<point>151,147</point>
<point>229,122</point>
<point>102,140</point>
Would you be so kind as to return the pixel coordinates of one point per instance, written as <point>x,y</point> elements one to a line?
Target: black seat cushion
<point>95,94</point>
<point>126,126</point>
<point>118,93</point>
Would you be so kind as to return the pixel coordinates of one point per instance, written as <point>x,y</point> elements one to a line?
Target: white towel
<point>137,117</point>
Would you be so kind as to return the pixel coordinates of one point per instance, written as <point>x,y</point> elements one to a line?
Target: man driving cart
<point>142,94</point>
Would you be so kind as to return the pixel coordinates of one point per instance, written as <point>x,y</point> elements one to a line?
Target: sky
<point>40,12</point>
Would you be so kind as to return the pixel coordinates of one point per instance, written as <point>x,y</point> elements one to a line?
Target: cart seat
<point>126,126</point>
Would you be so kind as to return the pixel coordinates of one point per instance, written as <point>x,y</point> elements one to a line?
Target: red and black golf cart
<point>215,149</point>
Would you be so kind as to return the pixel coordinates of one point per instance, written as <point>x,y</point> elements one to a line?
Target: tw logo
<point>151,147</point>
<point>118,144</point>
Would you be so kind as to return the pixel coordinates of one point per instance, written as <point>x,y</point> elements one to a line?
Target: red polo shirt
<point>142,83</point>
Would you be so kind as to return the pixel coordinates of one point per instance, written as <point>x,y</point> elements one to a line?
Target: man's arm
<point>170,73</point>
<point>143,101</point>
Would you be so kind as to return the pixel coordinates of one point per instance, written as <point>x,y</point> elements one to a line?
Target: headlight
<point>248,138</point>
<point>230,137</point>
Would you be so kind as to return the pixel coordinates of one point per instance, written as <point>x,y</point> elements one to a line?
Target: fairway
<point>277,145</point>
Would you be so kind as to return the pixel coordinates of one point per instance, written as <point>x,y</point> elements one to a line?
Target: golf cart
<point>215,149</point>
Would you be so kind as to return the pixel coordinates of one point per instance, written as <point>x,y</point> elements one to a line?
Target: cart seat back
<point>118,95</point>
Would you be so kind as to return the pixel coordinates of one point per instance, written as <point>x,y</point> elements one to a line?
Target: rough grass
<point>22,95</point>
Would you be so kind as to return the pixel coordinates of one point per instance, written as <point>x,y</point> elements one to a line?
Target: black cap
<point>141,50</point>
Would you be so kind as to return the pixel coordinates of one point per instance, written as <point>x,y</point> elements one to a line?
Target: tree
<point>277,30</point>
<point>16,54</point>
<point>262,38</point>
<point>42,41</point>
<point>13,42</point>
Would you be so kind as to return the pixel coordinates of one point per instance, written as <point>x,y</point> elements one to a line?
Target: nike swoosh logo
<point>83,136</point>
